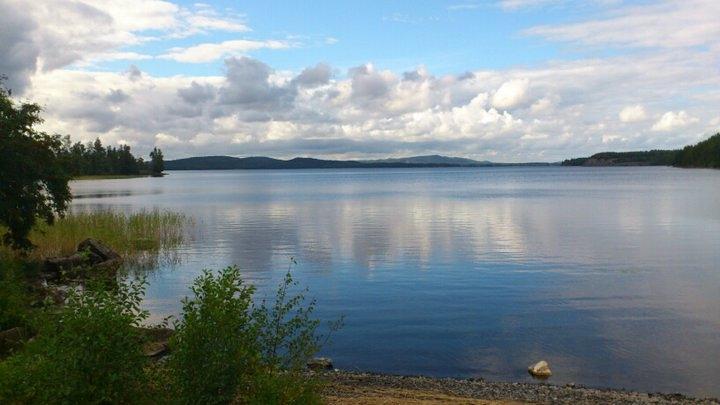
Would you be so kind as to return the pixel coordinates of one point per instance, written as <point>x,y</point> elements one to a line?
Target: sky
<point>499,80</point>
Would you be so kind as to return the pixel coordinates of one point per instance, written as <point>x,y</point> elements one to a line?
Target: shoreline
<point>348,387</point>
<point>109,177</point>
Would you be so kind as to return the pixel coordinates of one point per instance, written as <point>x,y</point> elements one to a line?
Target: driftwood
<point>90,253</point>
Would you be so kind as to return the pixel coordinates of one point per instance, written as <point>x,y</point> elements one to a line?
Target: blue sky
<point>446,37</point>
<point>502,80</point>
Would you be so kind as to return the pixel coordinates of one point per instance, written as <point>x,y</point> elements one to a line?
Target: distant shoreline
<point>109,176</point>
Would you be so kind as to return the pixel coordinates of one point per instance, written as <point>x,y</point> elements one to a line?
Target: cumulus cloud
<point>567,109</point>
<point>511,93</point>
<point>548,112</point>
<point>197,93</point>
<point>248,85</point>
<point>367,83</point>
<point>633,113</point>
<point>52,34</point>
<point>673,120</point>
<point>18,49</point>
<point>314,76</point>
<point>163,139</point>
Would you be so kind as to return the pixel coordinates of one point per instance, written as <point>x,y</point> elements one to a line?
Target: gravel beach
<point>366,388</point>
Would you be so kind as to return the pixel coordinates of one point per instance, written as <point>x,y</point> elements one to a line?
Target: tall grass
<point>130,234</point>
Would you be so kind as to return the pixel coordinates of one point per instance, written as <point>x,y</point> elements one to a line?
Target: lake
<point>612,275</point>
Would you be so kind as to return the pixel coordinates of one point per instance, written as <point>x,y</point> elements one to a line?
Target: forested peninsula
<point>96,160</point>
<point>705,154</point>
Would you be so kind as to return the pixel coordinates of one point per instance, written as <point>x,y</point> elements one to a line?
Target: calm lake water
<point>612,275</point>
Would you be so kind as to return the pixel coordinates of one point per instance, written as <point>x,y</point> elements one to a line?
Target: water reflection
<point>610,274</point>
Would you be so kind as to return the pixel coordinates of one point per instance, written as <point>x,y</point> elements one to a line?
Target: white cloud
<point>209,52</point>
<point>256,110</point>
<point>513,5</point>
<point>541,106</point>
<point>204,22</point>
<point>661,24</point>
<point>547,112</point>
<point>463,6</point>
<point>518,4</point>
<point>633,113</point>
<point>672,120</point>
<point>52,34</point>
<point>162,139</point>
<point>511,93</point>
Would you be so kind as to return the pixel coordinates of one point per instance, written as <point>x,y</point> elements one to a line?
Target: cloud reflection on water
<point>610,274</point>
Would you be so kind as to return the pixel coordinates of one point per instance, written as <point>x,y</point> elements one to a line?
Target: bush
<point>214,345</point>
<point>14,299</point>
<point>91,352</point>
<point>226,349</point>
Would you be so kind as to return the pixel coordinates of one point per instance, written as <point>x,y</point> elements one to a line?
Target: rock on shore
<point>541,369</point>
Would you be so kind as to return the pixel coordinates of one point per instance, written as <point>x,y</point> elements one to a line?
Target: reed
<point>130,234</point>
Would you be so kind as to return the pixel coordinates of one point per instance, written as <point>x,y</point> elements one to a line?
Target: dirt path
<point>354,395</point>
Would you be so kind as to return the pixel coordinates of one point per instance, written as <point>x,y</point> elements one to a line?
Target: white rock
<point>540,369</point>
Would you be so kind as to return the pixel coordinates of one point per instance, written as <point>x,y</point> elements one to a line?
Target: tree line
<point>705,154</point>
<point>95,159</point>
<point>35,168</point>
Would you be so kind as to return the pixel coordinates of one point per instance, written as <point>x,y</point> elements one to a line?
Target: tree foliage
<point>157,164</point>
<point>96,159</point>
<point>89,353</point>
<point>703,154</point>
<point>33,174</point>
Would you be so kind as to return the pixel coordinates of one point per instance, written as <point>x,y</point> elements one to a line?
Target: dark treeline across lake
<point>610,274</point>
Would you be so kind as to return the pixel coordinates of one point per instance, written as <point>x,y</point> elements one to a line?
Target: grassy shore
<point>126,233</point>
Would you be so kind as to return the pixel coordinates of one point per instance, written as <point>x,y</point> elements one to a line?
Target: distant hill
<point>259,162</point>
<point>433,159</point>
<point>703,154</point>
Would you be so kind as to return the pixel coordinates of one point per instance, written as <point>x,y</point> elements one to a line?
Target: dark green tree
<point>98,157</point>
<point>33,173</point>
<point>157,165</point>
<point>703,154</point>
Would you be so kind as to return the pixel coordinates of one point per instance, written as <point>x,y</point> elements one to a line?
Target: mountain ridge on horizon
<point>220,162</point>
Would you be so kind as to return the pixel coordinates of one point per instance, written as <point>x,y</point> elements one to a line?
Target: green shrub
<point>91,352</point>
<point>14,300</point>
<point>287,333</point>
<point>226,349</point>
<point>214,345</point>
